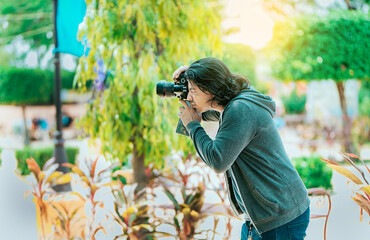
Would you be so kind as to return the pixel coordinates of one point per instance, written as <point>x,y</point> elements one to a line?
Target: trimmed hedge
<point>294,103</point>
<point>313,172</point>
<point>21,86</point>
<point>25,86</point>
<point>41,155</point>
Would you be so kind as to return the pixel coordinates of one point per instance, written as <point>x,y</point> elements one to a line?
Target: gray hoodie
<point>248,148</point>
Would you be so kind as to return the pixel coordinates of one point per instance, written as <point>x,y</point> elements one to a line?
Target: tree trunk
<point>138,166</point>
<point>26,132</point>
<point>349,5</point>
<point>138,160</point>
<point>346,121</point>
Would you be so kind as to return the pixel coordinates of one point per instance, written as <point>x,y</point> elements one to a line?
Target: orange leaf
<point>345,172</point>
<point>93,167</point>
<point>328,161</point>
<point>33,166</point>
<point>68,165</point>
<point>363,202</point>
<point>352,155</point>
<point>97,230</point>
<point>41,176</point>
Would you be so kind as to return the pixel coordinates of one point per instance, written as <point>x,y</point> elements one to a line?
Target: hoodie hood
<point>252,95</point>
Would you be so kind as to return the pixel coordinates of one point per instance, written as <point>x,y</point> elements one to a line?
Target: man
<point>262,182</point>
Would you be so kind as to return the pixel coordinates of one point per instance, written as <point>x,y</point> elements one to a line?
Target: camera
<point>179,88</point>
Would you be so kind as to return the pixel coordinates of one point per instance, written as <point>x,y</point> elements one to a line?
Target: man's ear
<point>215,104</point>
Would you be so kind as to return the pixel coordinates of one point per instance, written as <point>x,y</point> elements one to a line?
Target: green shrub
<point>294,103</point>
<point>25,86</point>
<point>67,79</point>
<point>21,86</point>
<point>41,155</point>
<point>314,172</point>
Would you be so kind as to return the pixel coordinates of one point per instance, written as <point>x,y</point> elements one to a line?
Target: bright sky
<point>254,23</point>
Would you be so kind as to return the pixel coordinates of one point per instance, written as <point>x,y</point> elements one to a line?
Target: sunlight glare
<point>254,23</point>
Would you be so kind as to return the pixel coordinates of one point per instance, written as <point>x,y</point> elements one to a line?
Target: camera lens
<point>165,89</point>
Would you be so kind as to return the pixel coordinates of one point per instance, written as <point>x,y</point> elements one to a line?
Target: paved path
<point>17,214</point>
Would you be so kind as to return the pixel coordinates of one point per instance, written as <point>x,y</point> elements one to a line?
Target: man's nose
<point>189,98</point>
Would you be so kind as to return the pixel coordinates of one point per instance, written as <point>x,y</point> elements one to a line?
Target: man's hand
<point>181,69</point>
<point>188,114</point>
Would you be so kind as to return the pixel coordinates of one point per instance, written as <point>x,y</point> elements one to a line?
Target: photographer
<point>262,183</point>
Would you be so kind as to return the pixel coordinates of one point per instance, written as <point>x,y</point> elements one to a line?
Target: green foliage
<point>313,172</point>
<point>5,57</point>
<point>21,86</point>
<point>364,98</point>
<point>41,155</point>
<point>67,78</point>
<point>362,189</point>
<point>142,42</point>
<point>30,19</point>
<point>322,47</point>
<point>241,60</point>
<point>294,103</point>
<point>25,86</point>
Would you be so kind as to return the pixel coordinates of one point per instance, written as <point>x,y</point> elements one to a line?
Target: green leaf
<point>172,198</point>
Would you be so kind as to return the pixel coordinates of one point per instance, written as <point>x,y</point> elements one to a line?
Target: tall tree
<point>324,47</point>
<point>140,43</point>
<point>24,87</point>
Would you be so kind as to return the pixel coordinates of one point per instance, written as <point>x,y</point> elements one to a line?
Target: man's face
<point>198,99</point>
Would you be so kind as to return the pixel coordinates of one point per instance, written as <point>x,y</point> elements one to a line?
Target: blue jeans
<point>293,230</point>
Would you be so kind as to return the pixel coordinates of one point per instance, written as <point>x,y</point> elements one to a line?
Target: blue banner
<point>70,14</point>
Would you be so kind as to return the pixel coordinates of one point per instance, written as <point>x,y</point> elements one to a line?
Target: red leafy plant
<point>219,187</point>
<point>68,224</point>
<point>93,181</point>
<point>362,191</point>
<point>45,180</point>
<point>132,213</point>
<point>190,211</point>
